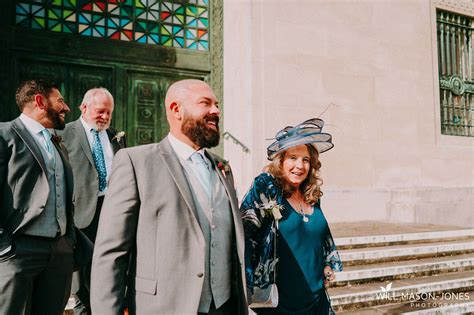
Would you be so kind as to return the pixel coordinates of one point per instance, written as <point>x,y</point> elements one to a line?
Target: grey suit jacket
<point>86,180</point>
<point>149,239</point>
<point>23,181</point>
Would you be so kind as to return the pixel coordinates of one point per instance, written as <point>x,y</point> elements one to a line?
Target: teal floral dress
<point>303,249</point>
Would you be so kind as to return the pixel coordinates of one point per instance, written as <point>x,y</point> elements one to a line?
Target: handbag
<point>267,297</point>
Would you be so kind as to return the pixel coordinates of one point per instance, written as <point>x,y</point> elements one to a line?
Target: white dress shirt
<point>35,128</point>
<point>106,148</point>
<point>184,152</point>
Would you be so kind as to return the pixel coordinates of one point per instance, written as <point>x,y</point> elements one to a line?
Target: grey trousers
<point>37,279</point>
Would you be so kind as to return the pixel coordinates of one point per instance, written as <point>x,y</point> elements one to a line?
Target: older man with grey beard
<point>91,145</point>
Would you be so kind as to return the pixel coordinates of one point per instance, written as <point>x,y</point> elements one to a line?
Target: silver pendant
<point>305,219</point>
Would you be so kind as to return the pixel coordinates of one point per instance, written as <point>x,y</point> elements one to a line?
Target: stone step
<point>449,304</point>
<point>400,291</point>
<point>456,309</point>
<point>384,253</point>
<point>371,240</point>
<point>404,269</point>
<point>412,309</point>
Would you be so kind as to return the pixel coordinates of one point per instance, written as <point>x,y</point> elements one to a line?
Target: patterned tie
<point>48,144</point>
<point>202,168</point>
<point>99,161</point>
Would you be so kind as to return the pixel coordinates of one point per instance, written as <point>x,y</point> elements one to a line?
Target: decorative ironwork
<point>456,85</point>
<point>456,73</point>
<point>183,24</point>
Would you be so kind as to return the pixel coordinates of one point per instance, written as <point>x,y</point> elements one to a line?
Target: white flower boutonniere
<point>119,136</point>
<point>270,207</point>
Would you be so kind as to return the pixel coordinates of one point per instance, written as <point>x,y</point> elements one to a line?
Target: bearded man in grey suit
<point>91,145</point>
<point>170,238</point>
<point>36,215</point>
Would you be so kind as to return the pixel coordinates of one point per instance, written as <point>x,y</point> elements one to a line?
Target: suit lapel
<point>176,170</point>
<point>229,189</point>
<point>113,141</point>
<point>79,131</point>
<point>27,138</point>
<point>67,167</point>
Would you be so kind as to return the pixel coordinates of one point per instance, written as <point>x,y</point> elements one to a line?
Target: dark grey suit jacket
<point>86,180</point>
<point>24,185</point>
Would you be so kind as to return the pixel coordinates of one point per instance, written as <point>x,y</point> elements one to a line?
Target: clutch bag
<point>267,297</point>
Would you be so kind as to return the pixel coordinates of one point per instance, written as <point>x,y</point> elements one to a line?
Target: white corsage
<point>270,207</point>
<point>119,136</point>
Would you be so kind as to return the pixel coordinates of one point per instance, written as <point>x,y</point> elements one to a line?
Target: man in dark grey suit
<point>170,237</point>
<point>36,215</point>
<point>91,145</point>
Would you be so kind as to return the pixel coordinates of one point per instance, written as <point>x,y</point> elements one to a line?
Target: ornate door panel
<point>147,111</point>
<point>73,79</point>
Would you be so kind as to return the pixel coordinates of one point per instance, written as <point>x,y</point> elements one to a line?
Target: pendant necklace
<point>305,218</point>
<point>302,212</point>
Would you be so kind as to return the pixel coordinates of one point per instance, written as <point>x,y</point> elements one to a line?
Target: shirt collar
<point>32,125</point>
<point>183,150</point>
<point>87,127</point>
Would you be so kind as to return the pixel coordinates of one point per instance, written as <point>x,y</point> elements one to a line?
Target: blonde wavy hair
<point>310,187</point>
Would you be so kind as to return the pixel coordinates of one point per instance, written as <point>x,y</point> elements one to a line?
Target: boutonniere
<point>270,207</point>
<point>224,167</point>
<point>119,136</point>
<point>56,138</point>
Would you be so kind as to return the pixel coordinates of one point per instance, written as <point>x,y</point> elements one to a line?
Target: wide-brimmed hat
<point>308,132</point>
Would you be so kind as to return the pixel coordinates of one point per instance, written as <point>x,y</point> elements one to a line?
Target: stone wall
<point>376,61</point>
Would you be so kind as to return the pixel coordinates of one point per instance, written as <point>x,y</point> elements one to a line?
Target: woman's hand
<point>328,276</point>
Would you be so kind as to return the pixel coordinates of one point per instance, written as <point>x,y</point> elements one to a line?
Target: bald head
<point>192,112</point>
<point>180,89</point>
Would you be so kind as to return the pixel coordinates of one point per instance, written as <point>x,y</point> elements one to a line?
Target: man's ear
<point>40,101</point>
<point>175,109</point>
<point>83,108</point>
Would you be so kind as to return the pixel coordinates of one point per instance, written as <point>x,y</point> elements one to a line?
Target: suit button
<point>200,275</point>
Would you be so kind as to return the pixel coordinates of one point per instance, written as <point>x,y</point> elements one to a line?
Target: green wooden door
<point>77,45</point>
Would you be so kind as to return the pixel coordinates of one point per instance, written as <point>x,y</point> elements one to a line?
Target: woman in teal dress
<point>284,202</point>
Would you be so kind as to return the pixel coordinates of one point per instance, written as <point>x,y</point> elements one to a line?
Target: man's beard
<point>198,132</point>
<point>101,127</point>
<point>58,122</point>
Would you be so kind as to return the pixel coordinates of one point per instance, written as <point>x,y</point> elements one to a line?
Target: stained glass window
<point>157,22</point>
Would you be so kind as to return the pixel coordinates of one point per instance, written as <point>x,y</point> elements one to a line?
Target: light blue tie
<point>203,172</point>
<point>99,161</point>
<point>48,144</point>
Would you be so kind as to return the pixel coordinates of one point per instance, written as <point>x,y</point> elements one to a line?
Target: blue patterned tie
<point>48,144</point>
<point>202,168</point>
<point>99,161</point>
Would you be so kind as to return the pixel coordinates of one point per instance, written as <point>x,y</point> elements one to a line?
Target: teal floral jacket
<point>260,228</point>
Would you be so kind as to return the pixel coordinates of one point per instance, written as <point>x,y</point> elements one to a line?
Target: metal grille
<point>456,73</point>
